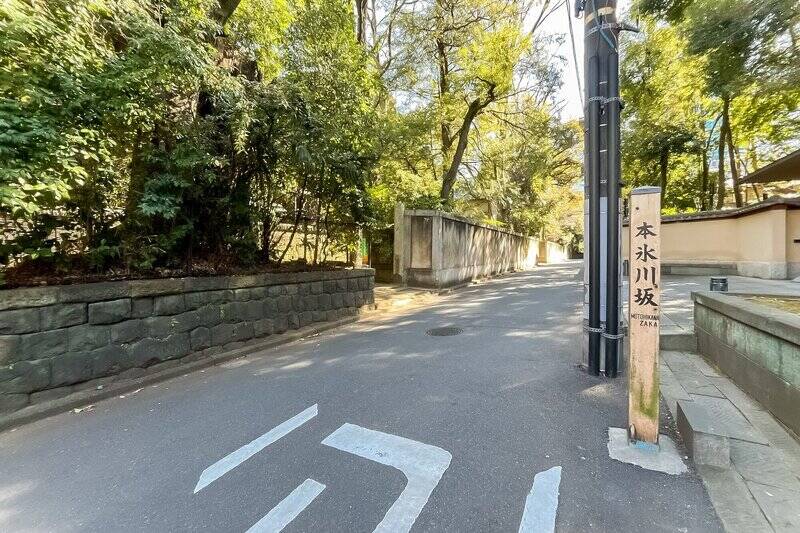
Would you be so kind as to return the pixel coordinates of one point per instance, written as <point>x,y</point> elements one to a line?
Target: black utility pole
<point>592,163</point>
<point>613,107</point>
<point>601,184</point>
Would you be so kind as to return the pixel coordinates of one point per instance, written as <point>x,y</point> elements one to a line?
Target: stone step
<point>707,425</point>
<point>704,448</point>
<point>678,341</point>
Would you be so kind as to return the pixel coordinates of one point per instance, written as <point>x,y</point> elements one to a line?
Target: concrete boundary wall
<point>439,250</point>
<point>757,346</point>
<point>760,240</point>
<point>552,252</point>
<point>56,340</point>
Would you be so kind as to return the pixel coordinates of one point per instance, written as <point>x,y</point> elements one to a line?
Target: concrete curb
<point>50,408</point>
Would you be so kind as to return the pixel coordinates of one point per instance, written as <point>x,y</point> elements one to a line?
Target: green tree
<point>743,43</point>
<point>664,125</point>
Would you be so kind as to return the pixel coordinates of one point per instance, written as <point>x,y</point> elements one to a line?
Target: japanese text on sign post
<point>644,308</point>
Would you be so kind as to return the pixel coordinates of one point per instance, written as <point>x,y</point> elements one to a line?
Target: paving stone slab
<point>763,464</point>
<point>781,506</point>
<point>671,390</point>
<point>738,398</point>
<point>696,383</point>
<point>675,358</point>
<point>702,365</point>
<point>778,437</point>
<point>718,416</point>
<point>735,505</point>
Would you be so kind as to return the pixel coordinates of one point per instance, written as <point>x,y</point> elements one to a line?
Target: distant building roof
<point>786,168</point>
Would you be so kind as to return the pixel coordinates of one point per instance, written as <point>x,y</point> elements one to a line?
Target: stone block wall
<point>54,340</point>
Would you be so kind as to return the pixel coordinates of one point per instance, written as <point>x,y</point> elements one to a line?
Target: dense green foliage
<point>710,84</point>
<point>159,133</point>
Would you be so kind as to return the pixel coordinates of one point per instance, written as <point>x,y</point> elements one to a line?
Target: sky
<point>558,24</point>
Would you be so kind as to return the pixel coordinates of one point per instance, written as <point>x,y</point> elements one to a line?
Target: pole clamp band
<point>605,26</point>
<point>596,99</point>
<point>615,337</point>
<point>590,329</point>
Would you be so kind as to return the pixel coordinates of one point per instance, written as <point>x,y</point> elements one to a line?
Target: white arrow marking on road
<point>234,459</point>
<point>422,464</point>
<point>288,509</point>
<point>542,503</point>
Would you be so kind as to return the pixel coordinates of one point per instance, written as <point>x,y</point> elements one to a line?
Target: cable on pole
<point>574,53</point>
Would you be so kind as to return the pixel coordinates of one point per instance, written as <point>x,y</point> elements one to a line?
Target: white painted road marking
<point>234,459</point>
<point>422,464</point>
<point>541,504</point>
<point>288,509</point>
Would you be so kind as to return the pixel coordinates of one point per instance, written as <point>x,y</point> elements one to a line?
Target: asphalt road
<point>469,419</point>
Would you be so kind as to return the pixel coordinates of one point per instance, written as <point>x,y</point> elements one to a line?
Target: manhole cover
<point>448,331</point>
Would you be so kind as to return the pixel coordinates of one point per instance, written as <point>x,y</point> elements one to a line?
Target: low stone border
<point>57,340</point>
<point>156,374</point>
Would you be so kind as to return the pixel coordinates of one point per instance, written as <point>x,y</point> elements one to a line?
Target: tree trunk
<point>361,21</point>
<point>663,166</point>
<point>721,155</point>
<point>224,10</point>
<point>708,186</point>
<point>449,177</point>
<point>704,196</point>
<point>444,85</point>
<point>316,232</point>
<point>327,234</point>
<point>265,236</point>
<point>737,192</point>
<point>305,240</point>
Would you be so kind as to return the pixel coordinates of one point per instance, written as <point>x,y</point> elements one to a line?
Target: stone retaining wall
<point>758,347</point>
<point>54,340</point>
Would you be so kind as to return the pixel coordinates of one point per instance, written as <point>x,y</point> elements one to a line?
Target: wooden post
<point>644,313</point>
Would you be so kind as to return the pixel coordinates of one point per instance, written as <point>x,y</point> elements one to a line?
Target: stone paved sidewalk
<point>761,489</point>
<point>677,309</point>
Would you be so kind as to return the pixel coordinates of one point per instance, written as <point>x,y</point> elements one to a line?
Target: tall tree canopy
<point>163,133</point>
<point>730,81</point>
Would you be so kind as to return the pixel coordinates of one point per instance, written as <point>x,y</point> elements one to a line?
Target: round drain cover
<point>448,331</point>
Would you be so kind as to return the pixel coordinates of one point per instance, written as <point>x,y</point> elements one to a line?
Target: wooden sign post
<point>644,313</point>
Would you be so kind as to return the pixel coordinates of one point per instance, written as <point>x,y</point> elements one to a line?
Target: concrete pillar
<point>400,236</point>
<point>437,247</point>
